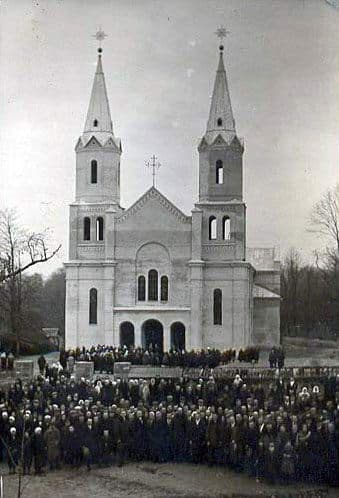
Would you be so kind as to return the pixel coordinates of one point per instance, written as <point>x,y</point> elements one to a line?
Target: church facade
<point>151,274</point>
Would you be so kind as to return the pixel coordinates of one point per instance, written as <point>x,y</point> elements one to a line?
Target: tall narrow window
<point>153,285</point>
<point>93,306</point>
<point>226,228</point>
<point>141,288</point>
<point>100,228</point>
<point>164,288</point>
<point>95,123</point>
<point>212,228</point>
<point>217,307</point>
<point>87,228</point>
<point>219,172</point>
<point>219,122</point>
<point>94,171</point>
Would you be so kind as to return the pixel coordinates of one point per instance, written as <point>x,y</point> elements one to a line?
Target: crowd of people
<point>104,357</point>
<point>278,431</point>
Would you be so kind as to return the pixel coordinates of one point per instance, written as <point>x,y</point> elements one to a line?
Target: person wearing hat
<point>38,450</point>
<point>3,360</point>
<point>13,450</point>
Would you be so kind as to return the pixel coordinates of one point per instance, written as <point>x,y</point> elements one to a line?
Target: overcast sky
<point>159,60</point>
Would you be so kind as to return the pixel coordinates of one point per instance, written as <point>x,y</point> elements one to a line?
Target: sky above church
<point>159,60</point>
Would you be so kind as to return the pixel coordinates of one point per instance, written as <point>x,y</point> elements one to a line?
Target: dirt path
<point>148,481</point>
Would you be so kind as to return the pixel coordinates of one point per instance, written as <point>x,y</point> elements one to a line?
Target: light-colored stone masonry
<point>153,234</point>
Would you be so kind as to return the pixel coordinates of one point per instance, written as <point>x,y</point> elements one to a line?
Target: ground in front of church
<point>148,480</point>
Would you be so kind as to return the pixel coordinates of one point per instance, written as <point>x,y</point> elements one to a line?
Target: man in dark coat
<point>197,438</point>
<point>42,364</point>
<point>90,445</point>
<point>139,442</point>
<point>52,439</point>
<point>72,447</point>
<point>212,439</point>
<point>38,450</point>
<point>27,454</point>
<point>13,450</point>
<point>123,439</point>
<point>271,464</point>
<point>105,448</point>
<point>179,424</point>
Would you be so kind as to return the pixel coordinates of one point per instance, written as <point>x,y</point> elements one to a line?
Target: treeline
<point>310,305</point>
<point>36,303</point>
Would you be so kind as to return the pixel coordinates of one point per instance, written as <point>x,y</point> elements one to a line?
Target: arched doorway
<point>127,334</point>
<point>178,339</point>
<point>153,334</point>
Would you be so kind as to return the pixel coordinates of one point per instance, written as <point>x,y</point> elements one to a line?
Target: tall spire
<point>220,119</point>
<point>98,121</point>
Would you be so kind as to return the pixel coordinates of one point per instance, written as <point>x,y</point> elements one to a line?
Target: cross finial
<point>221,33</point>
<point>100,35</point>
<point>154,164</point>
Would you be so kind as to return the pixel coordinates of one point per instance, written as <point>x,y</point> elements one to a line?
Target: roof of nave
<point>153,193</point>
<point>263,293</point>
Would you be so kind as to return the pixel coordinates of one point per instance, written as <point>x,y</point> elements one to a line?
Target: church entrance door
<point>153,334</point>
<point>127,334</point>
<point>178,336</point>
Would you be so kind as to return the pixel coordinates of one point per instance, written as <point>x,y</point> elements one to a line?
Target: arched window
<point>219,173</point>
<point>100,228</point>
<point>153,285</point>
<point>87,228</point>
<point>164,288</point>
<point>93,306</point>
<point>127,335</point>
<point>95,123</point>
<point>219,122</point>
<point>217,307</point>
<point>226,228</point>
<point>94,171</point>
<point>212,228</point>
<point>141,288</point>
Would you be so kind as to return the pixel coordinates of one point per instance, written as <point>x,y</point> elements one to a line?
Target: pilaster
<point>110,234</point>
<point>196,234</point>
<point>108,288</point>
<point>197,268</point>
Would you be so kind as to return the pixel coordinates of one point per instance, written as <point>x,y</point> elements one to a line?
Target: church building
<point>151,274</point>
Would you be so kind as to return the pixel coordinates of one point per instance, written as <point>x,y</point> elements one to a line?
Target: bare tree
<point>19,251</point>
<point>290,278</point>
<point>324,218</point>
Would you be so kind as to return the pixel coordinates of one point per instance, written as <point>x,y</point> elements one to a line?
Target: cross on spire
<point>221,33</point>
<point>155,165</point>
<point>100,35</point>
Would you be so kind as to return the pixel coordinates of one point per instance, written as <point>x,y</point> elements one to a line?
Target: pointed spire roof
<point>220,121</point>
<point>98,121</point>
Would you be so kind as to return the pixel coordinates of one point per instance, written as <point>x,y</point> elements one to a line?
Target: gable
<point>154,209</point>
<point>78,145</point>
<point>93,142</point>
<point>111,144</point>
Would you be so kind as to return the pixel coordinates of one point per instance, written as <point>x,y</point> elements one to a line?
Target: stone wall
<point>235,281</point>
<point>266,322</point>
